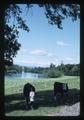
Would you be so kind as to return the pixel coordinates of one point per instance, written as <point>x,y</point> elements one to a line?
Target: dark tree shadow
<point>46,98</point>
<point>42,99</point>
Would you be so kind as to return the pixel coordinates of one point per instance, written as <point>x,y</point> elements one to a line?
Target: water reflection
<point>24,75</point>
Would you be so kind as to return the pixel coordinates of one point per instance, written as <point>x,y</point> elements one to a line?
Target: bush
<point>54,74</point>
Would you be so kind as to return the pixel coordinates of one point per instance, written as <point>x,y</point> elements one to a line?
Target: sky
<point>45,44</point>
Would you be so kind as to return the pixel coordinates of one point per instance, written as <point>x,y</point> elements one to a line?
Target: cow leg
<point>62,94</point>
<point>55,97</point>
<point>31,105</point>
<point>27,103</point>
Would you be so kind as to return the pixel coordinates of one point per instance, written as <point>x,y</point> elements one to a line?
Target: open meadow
<point>44,102</point>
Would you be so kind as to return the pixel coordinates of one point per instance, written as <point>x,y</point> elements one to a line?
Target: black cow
<point>26,91</point>
<point>60,88</point>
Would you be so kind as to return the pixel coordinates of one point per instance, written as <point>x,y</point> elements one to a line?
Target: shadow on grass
<point>42,99</point>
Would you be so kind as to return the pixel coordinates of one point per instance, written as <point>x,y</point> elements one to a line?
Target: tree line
<point>52,71</point>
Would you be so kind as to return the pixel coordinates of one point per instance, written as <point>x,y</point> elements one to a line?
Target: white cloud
<point>49,58</point>
<point>39,52</point>
<point>23,50</point>
<point>36,63</point>
<point>42,53</point>
<point>33,63</point>
<point>51,55</point>
<point>60,43</point>
<point>68,59</point>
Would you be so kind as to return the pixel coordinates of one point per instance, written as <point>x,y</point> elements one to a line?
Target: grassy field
<point>44,102</point>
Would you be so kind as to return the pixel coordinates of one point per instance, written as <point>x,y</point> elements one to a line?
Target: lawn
<point>44,102</point>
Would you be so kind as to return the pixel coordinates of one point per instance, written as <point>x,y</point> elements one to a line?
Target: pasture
<point>44,102</point>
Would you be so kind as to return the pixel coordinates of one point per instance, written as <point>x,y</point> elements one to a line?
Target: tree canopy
<point>55,13</point>
<point>54,71</point>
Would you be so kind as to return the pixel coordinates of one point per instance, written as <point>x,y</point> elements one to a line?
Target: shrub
<point>54,74</point>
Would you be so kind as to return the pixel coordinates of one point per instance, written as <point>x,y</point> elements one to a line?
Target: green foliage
<point>75,70</point>
<point>54,73</point>
<point>52,66</point>
<point>13,69</point>
<point>10,43</point>
<point>56,13</point>
<point>11,32</point>
<point>70,69</point>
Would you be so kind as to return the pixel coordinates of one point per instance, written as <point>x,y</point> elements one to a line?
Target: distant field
<point>45,104</point>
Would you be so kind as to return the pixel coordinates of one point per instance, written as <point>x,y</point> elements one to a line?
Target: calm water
<point>24,75</point>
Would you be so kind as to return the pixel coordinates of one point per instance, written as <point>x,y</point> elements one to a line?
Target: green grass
<point>45,104</point>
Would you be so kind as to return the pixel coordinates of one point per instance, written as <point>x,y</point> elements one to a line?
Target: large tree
<point>11,32</point>
<point>55,13</point>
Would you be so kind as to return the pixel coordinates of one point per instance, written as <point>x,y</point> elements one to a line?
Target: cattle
<point>60,88</point>
<point>27,91</point>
